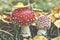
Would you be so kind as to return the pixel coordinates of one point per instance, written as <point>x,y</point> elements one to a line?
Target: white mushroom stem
<point>25,31</point>
<point>42,32</point>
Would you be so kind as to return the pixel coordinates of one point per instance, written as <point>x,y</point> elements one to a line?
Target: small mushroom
<point>43,23</point>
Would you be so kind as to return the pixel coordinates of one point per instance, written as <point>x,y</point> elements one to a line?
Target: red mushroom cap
<point>23,16</point>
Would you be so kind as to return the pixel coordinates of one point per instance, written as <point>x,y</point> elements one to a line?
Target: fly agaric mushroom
<point>43,23</point>
<point>23,17</point>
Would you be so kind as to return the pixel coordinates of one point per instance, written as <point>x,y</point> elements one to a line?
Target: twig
<point>6,32</point>
<point>38,10</point>
<point>30,4</point>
